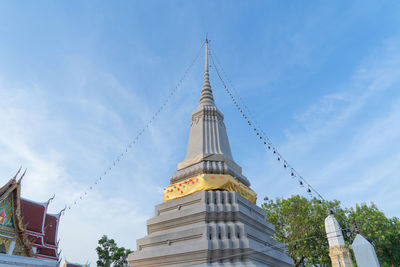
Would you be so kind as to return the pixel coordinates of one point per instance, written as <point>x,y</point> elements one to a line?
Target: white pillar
<point>338,251</point>
<point>11,249</point>
<point>364,252</point>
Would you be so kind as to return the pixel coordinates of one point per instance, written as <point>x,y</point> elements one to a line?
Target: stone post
<point>364,252</point>
<point>338,251</point>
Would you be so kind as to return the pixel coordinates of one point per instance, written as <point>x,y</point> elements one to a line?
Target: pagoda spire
<point>206,97</point>
<point>208,150</point>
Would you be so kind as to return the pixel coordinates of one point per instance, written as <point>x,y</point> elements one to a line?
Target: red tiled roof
<point>41,228</point>
<point>70,264</point>
<point>36,228</point>
<point>50,229</point>
<point>50,252</point>
<point>33,215</point>
<point>35,239</point>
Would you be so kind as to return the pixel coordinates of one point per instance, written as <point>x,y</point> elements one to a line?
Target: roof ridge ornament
<point>61,212</point>
<point>22,176</point>
<point>51,199</point>
<point>15,176</point>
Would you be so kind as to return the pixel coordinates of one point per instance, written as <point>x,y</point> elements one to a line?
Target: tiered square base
<point>209,228</point>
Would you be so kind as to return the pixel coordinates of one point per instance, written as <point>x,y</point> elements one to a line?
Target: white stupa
<point>338,251</point>
<point>209,215</point>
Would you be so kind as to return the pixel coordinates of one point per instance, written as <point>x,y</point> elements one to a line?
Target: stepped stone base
<point>209,228</point>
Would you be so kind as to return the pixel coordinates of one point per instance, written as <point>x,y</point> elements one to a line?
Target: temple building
<point>209,215</point>
<point>70,264</point>
<point>28,233</point>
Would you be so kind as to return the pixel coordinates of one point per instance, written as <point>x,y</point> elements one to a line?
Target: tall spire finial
<point>208,150</point>
<point>206,61</point>
<point>206,97</point>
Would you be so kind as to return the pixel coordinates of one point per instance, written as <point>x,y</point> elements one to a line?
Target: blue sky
<point>78,80</point>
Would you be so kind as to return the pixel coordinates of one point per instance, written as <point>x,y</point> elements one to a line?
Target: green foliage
<point>300,224</point>
<point>382,231</point>
<point>110,254</point>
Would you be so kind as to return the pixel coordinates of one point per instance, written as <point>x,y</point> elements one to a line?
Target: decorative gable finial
<point>62,211</point>
<point>22,176</point>
<point>51,199</point>
<point>15,176</point>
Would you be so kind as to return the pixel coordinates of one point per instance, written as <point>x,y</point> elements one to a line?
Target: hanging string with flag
<point>136,138</point>
<point>260,134</point>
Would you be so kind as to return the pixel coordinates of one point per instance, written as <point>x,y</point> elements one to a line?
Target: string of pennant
<point>136,138</point>
<point>260,134</point>
<point>245,113</point>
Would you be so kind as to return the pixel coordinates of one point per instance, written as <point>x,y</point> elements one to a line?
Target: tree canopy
<point>109,254</point>
<point>300,224</point>
<point>382,231</point>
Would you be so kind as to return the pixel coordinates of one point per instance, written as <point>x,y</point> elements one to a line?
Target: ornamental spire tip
<point>206,97</point>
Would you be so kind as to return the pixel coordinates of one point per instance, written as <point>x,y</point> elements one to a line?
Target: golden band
<point>205,182</point>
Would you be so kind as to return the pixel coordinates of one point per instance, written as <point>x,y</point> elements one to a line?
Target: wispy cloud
<point>357,127</point>
<point>67,143</point>
<point>85,89</point>
<point>336,110</point>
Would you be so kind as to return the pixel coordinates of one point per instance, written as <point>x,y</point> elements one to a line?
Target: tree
<point>300,224</point>
<point>382,231</point>
<point>110,254</point>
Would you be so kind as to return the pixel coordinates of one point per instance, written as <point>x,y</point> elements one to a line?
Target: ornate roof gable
<point>27,224</point>
<point>12,224</point>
